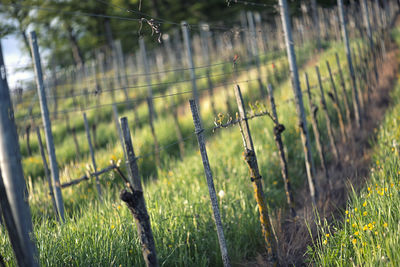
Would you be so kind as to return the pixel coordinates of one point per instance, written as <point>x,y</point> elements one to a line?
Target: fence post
<point>278,129</point>
<point>251,160</point>
<point>153,133</point>
<point>47,126</point>
<point>336,103</point>
<point>342,83</point>
<point>13,192</point>
<point>370,37</point>
<point>356,103</point>
<point>316,22</point>
<point>47,172</point>
<point>210,182</point>
<point>294,75</point>
<point>177,128</point>
<point>87,128</point>
<point>136,202</point>
<point>327,118</point>
<point>188,48</point>
<point>147,74</point>
<point>28,143</point>
<point>211,92</point>
<point>314,122</point>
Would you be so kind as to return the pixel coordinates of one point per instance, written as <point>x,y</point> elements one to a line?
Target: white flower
<point>185,202</point>
<point>221,193</point>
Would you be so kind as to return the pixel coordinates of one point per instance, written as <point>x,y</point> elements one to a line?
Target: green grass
<point>177,199</point>
<point>368,232</point>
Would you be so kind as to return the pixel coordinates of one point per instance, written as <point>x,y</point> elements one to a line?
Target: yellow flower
<point>369,188</point>
<point>327,235</point>
<point>365,228</point>
<point>376,233</point>
<point>365,204</point>
<point>354,225</point>
<point>347,220</point>
<point>274,182</point>
<point>325,242</point>
<point>370,226</point>
<point>378,246</point>
<point>392,184</point>
<point>355,209</point>
<point>354,241</point>
<point>119,207</point>
<point>130,251</point>
<point>385,225</point>
<point>170,246</point>
<point>112,226</point>
<point>356,233</point>
<point>365,213</point>
<point>347,212</point>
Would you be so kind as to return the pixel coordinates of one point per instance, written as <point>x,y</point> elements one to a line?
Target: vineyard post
<point>343,85</point>
<point>87,128</point>
<point>314,11</point>
<point>55,83</point>
<point>210,182</point>
<point>261,87</point>
<point>211,92</point>
<point>278,129</point>
<point>314,122</point>
<point>256,179</point>
<point>136,202</point>
<point>14,195</point>
<point>47,125</point>
<point>299,99</point>
<point>28,143</point>
<point>147,74</point>
<point>356,103</point>
<point>370,37</point>
<point>253,41</point>
<point>364,68</point>
<point>47,172</point>
<point>336,103</point>
<point>77,150</point>
<point>97,89</point>
<point>177,128</point>
<point>327,118</point>
<point>153,133</point>
<point>186,38</point>
<point>117,125</point>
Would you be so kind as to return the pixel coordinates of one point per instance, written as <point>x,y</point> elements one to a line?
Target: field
<point>102,232</point>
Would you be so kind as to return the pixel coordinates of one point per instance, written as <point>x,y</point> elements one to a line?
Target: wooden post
<point>356,103</point>
<point>136,202</point>
<point>47,172</point>
<point>294,75</point>
<point>211,93</point>
<point>186,38</point>
<point>278,129</point>
<point>253,41</point>
<point>115,115</point>
<point>77,150</point>
<point>177,128</point>
<point>336,104</point>
<point>251,160</point>
<point>28,143</point>
<point>153,133</point>
<point>261,87</point>
<point>13,192</point>
<point>314,10</point>
<point>327,118</point>
<point>370,37</point>
<point>210,183</point>
<point>23,258</point>
<point>314,122</point>
<point>148,77</point>
<point>345,97</point>
<point>47,126</point>
<point>87,128</point>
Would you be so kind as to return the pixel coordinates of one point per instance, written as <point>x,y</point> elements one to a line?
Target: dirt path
<point>294,235</point>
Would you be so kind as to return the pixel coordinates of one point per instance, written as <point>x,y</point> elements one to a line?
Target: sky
<point>15,57</point>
